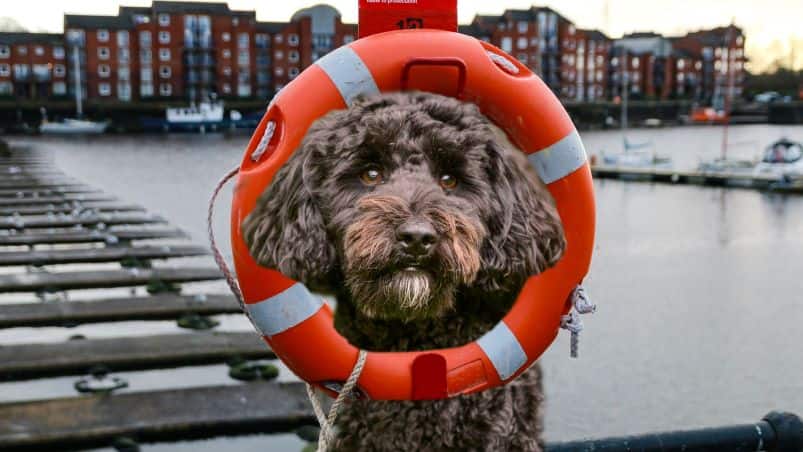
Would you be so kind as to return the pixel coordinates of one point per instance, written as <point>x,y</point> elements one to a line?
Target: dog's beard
<point>383,284</point>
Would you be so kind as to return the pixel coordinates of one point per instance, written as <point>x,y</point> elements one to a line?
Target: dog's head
<point>406,199</point>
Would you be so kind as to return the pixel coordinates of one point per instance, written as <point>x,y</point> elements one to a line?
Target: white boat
<point>71,126</point>
<point>203,116</point>
<point>634,155</point>
<point>783,159</point>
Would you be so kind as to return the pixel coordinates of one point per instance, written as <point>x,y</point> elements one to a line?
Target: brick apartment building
<point>32,65</point>
<point>188,51</point>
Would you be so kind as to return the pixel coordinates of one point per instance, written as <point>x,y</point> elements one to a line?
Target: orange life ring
<point>299,326</point>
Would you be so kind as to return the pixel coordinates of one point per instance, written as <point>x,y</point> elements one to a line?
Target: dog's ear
<point>286,231</point>
<point>525,235</point>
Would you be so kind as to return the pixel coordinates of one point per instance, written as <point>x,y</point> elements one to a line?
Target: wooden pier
<point>706,178</point>
<point>47,220</point>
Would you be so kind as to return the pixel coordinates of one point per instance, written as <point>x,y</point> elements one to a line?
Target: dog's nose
<point>417,237</point>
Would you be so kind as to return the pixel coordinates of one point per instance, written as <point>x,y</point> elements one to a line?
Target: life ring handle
<point>436,61</point>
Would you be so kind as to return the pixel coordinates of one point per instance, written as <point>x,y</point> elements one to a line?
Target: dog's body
<point>425,223</point>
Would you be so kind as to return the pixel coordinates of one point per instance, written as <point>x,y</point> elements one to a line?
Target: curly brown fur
<point>415,263</point>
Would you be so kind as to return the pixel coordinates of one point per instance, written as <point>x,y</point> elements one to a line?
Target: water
<point>699,288</point>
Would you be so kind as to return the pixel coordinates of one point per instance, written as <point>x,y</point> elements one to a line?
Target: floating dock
<point>705,178</point>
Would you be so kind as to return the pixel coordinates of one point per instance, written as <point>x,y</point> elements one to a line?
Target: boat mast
<point>77,79</point>
<point>623,113</point>
<point>728,59</point>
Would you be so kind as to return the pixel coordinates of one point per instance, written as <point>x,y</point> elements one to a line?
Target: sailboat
<point>74,125</point>
<point>723,164</point>
<point>634,155</point>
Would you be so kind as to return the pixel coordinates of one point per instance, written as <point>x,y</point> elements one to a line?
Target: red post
<point>377,16</point>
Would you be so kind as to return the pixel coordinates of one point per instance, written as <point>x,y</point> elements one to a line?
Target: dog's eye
<point>448,181</point>
<point>371,176</point>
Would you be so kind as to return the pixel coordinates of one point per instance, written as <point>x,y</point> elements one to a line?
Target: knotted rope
<point>326,422</point>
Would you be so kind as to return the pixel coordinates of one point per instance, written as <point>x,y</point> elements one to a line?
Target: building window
<point>165,89</point>
<point>104,70</point>
<point>235,21</point>
<point>58,70</point>
<point>523,26</point>
<point>636,62</point>
<point>225,36</point>
<point>6,88</point>
<point>22,50</point>
<point>103,35</point>
<point>293,72</point>
<point>39,50</point>
<point>292,56</point>
<point>227,88</point>
<point>599,60</point>
<point>59,88</point>
<point>123,55</point>
<point>262,40</point>
<point>599,75</point>
<point>5,70</point>
<point>698,65</point>
<point>243,58</point>
<point>124,91</point>
<point>164,71</point>
<point>279,39</point>
<point>58,53</point>
<point>145,56</point>
<point>226,53</point>
<point>164,19</point>
<point>146,89</point>
<point>123,73</point>
<point>122,38</point>
<point>103,53</point>
<point>521,43</point>
<point>279,72</point>
<point>145,38</point>
<point>522,57</point>
<point>614,61</point>
<point>680,64</point>
<point>104,89</point>
<point>5,52</point>
<point>164,54</point>
<point>279,55</point>
<point>242,40</point>
<point>145,75</point>
<point>227,71</point>
<point>164,37</point>
<point>292,39</point>
<point>243,89</point>
<point>348,38</point>
<point>507,44</point>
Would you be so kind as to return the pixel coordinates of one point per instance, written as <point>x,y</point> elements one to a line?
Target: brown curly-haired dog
<point>425,222</point>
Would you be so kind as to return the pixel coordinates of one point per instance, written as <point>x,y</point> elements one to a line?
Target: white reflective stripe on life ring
<point>503,349</point>
<point>284,310</point>
<point>349,73</point>
<point>559,159</point>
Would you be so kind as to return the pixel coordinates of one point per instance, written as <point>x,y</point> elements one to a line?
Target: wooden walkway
<point>48,219</point>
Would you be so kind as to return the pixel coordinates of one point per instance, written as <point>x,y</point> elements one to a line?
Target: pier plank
<point>34,282</point>
<point>159,351</point>
<point>40,192</point>
<point>92,255</point>
<point>156,307</point>
<point>166,415</point>
<point>62,221</point>
<point>55,209</point>
<point>88,236</point>
<point>69,197</point>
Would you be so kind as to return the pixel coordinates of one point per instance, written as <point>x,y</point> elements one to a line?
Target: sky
<point>772,27</point>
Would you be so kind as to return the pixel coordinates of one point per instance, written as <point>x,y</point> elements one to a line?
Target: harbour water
<point>699,289</point>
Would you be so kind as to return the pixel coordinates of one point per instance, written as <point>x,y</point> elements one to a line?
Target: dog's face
<point>406,199</point>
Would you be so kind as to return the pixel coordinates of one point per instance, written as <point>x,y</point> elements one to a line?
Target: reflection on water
<point>699,288</point>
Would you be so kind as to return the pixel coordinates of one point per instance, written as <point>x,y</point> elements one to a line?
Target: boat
<point>784,159</point>
<point>73,126</point>
<point>206,115</point>
<point>633,155</point>
<point>709,115</point>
